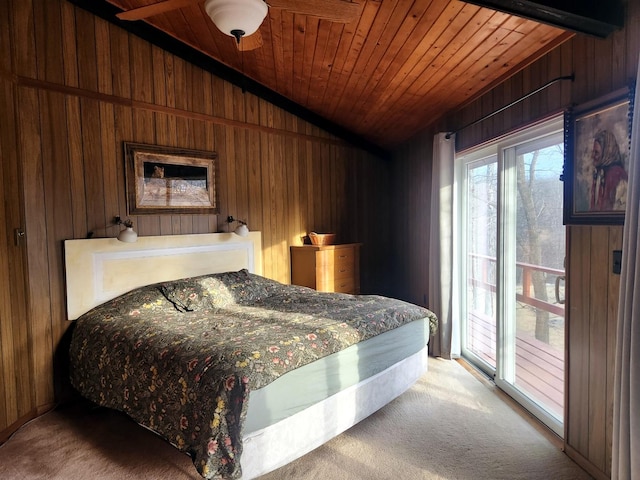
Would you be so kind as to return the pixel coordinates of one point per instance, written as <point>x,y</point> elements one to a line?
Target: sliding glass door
<point>512,256</point>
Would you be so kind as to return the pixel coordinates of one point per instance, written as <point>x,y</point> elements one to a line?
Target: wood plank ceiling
<point>396,69</point>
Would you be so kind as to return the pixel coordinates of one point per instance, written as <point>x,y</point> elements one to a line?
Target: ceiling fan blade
<point>334,10</point>
<point>154,9</point>
<point>251,42</point>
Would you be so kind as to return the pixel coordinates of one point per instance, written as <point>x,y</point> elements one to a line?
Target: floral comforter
<point>180,357</point>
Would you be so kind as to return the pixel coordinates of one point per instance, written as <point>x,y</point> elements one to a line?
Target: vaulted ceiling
<point>393,70</point>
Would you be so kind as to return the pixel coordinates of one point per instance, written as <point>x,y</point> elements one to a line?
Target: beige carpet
<point>448,426</point>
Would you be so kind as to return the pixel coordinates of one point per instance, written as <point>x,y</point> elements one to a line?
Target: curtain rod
<point>481,119</point>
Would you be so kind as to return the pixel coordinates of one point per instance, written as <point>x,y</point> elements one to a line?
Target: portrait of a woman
<point>597,161</point>
<point>609,186</point>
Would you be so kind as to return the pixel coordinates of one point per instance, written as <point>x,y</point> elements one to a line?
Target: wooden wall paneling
<point>400,172</point>
<point>632,46</point>
<point>566,88</point>
<point>16,363</point>
<point>332,187</point>
<point>8,397</point>
<point>160,87</point>
<point>553,95</point>
<point>69,50</point>
<point>36,240</point>
<point>219,134</point>
<point>7,42</point>
<point>103,64</point>
<point>254,165</point>
<point>618,57</point>
<point>597,319</point>
<point>57,197</point>
<point>578,278</point>
<point>240,140</point>
<point>163,137</point>
<point>241,179</point>
<point>303,185</point>
<point>142,90</point>
<point>120,70</point>
<point>166,63</point>
<point>587,50</point>
<point>603,77</point>
<point>111,162</point>
<point>142,71</point>
<point>268,190</point>
<point>289,194</point>
<point>499,100</point>
<point>184,125</point>
<point>518,111</point>
<point>230,159</point>
<point>87,50</point>
<point>532,80</point>
<point>311,188</point>
<point>279,213</point>
<point>486,107</point>
<point>23,40</point>
<point>319,194</point>
<point>207,223</point>
<point>123,131</point>
<point>338,189</point>
<point>325,164</point>
<point>76,168</point>
<point>217,110</point>
<point>48,36</point>
<point>8,403</point>
<point>92,163</point>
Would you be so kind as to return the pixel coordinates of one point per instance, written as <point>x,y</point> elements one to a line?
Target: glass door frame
<point>505,149</point>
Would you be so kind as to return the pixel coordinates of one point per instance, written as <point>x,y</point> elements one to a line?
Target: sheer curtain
<point>442,273</point>
<point>626,405</point>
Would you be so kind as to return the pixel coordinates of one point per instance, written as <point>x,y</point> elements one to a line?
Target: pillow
<point>244,287</point>
<point>218,290</point>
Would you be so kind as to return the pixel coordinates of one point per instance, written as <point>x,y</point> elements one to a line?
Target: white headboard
<point>100,269</point>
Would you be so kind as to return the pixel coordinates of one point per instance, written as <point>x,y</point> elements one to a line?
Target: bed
<point>158,336</point>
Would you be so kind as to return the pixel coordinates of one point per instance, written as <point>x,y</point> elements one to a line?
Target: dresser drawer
<point>346,285</point>
<point>333,268</point>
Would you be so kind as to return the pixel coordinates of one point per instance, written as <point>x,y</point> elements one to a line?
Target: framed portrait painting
<point>166,180</point>
<point>597,156</point>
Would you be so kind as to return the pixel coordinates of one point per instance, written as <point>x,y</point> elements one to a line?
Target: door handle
<point>558,279</point>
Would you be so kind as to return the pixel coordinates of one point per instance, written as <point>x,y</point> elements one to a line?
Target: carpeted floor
<point>448,426</point>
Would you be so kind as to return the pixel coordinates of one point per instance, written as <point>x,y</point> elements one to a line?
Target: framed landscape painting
<point>169,180</point>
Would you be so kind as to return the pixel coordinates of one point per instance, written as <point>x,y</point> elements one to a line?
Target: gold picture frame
<point>168,180</point>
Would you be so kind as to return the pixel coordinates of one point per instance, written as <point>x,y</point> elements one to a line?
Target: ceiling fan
<point>241,19</point>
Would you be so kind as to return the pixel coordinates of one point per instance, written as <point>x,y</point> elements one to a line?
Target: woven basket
<point>322,238</point>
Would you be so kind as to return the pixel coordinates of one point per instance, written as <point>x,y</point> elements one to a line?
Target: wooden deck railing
<point>539,367</point>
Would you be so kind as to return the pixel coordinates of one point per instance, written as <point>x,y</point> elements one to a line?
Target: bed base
<point>277,445</point>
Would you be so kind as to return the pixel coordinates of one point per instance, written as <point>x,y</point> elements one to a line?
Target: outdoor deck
<point>539,367</point>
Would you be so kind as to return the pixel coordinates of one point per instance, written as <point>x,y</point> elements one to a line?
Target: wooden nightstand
<point>327,268</point>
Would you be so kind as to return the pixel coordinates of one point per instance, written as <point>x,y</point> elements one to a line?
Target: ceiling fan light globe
<point>230,15</point>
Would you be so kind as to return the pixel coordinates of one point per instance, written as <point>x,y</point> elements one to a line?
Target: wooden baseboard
<point>10,430</point>
<point>42,409</point>
<point>585,464</point>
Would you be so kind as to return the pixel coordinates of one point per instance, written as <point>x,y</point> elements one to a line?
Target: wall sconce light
<point>241,230</point>
<point>128,235</point>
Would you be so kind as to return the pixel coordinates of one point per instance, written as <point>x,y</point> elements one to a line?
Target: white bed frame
<point>98,270</point>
